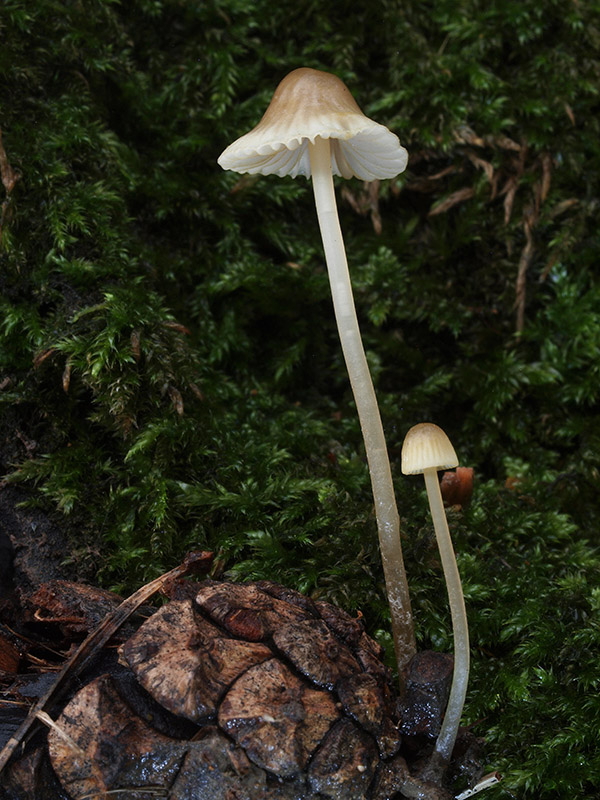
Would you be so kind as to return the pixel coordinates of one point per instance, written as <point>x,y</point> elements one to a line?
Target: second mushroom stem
<point>388,524</point>
<point>458,689</point>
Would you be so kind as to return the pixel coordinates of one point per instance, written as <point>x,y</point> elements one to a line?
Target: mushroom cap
<point>309,103</point>
<point>426,446</point>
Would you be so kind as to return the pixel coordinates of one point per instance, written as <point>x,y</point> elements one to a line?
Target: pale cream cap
<point>310,103</point>
<point>426,446</point>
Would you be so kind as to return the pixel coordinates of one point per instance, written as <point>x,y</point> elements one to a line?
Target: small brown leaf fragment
<point>451,170</point>
<point>453,199</point>
<point>39,358</point>
<point>283,740</point>
<point>521,284</point>
<point>66,377</point>
<point>177,326</point>
<point>505,143</point>
<point>512,183</point>
<point>457,486</point>
<point>176,399</point>
<point>494,185</point>
<point>9,175</point>
<point>9,178</point>
<point>563,206</point>
<point>546,176</point>
<point>243,183</point>
<point>570,114</point>
<point>480,163</point>
<point>423,185</point>
<point>196,391</point>
<point>510,190</point>
<point>466,135</point>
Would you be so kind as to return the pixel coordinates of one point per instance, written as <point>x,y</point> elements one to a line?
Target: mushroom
<point>314,127</point>
<point>426,450</point>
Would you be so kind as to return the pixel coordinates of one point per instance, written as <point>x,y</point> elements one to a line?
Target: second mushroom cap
<point>426,446</point>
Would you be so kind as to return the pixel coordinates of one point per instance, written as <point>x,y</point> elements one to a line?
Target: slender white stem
<point>460,677</point>
<point>388,524</point>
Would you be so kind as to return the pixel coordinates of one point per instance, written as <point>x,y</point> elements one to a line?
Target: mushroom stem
<point>388,524</point>
<point>460,677</point>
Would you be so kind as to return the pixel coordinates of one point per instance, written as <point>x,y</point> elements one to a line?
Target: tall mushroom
<point>314,127</point>
<point>426,450</point>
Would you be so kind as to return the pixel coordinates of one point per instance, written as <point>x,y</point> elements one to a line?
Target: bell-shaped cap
<point>310,103</point>
<point>426,446</point>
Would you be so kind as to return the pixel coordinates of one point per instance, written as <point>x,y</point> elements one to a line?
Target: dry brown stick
<point>193,562</point>
<point>9,177</point>
<point>521,285</point>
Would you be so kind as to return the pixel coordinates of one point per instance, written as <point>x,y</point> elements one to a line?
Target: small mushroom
<point>426,450</point>
<point>314,127</point>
